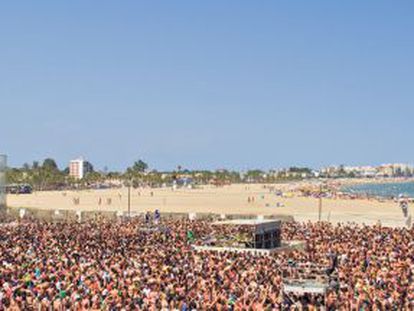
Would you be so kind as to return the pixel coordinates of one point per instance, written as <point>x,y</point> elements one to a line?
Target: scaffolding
<point>306,281</point>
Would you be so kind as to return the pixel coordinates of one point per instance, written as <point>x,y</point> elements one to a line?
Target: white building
<point>396,170</point>
<point>361,171</point>
<point>78,168</point>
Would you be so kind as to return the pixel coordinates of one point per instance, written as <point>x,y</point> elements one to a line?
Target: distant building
<point>79,168</point>
<point>330,171</point>
<point>361,171</point>
<point>385,170</point>
<point>396,170</point>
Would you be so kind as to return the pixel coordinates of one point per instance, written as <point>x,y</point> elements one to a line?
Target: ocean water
<point>385,190</point>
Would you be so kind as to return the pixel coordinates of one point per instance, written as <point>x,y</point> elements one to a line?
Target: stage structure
<point>3,167</point>
<point>304,289</point>
<point>243,235</point>
<point>307,280</point>
<point>258,234</point>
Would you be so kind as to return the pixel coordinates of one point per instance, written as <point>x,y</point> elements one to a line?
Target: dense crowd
<point>134,265</point>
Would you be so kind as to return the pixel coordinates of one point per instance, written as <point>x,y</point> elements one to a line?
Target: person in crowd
<point>102,265</point>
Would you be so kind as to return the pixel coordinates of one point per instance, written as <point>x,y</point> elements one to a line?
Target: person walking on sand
<point>404,208</point>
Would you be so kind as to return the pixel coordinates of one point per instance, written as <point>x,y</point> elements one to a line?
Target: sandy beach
<point>231,199</point>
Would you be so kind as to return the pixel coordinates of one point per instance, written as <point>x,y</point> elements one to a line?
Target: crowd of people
<point>141,265</point>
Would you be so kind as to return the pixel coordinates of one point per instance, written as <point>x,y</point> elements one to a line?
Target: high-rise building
<point>3,167</point>
<point>78,168</point>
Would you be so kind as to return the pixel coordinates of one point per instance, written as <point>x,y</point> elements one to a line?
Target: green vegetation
<point>48,176</point>
<point>41,177</point>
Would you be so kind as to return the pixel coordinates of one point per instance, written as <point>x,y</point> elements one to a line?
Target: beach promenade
<point>232,199</point>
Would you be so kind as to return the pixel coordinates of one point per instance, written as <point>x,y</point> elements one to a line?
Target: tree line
<point>47,175</point>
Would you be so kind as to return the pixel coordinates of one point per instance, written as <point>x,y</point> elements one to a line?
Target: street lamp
<point>321,187</point>
<point>129,197</point>
<point>320,203</point>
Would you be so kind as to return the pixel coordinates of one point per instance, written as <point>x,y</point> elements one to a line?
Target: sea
<point>385,190</point>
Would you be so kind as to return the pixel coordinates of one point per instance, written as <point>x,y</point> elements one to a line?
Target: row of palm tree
<point>48,176</point>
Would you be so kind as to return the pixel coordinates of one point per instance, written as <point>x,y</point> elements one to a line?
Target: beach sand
<point>231,199</point>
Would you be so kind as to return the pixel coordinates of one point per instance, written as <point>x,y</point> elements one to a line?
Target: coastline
<point>372,189</point>
<point>391,180</point>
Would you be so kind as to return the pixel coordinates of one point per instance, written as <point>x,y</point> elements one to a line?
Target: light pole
<point>129,198</point>
<point>320,203</point>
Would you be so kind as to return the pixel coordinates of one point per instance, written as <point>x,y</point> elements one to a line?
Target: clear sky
<point>207,84</point>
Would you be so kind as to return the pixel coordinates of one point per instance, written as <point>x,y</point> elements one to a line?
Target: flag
<point>190,235</point>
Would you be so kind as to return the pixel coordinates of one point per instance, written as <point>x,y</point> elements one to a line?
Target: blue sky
<point>207,84</point>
